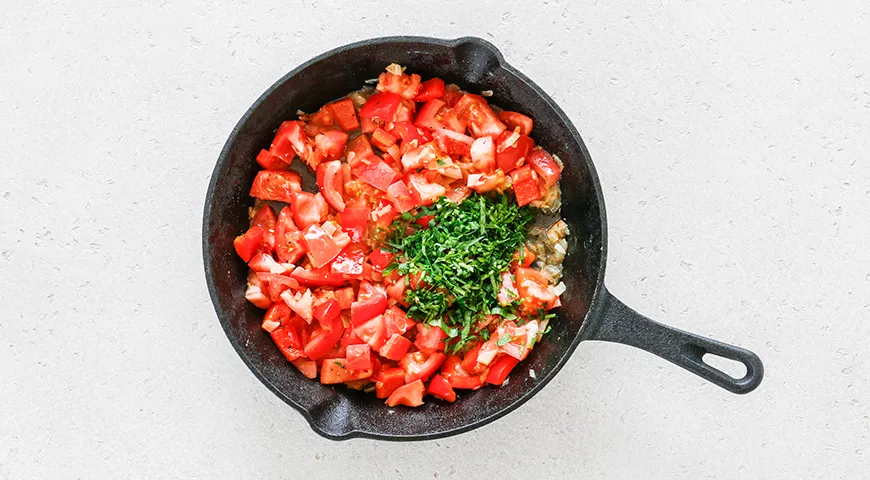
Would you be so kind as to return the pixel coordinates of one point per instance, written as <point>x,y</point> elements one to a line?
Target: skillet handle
<point>621,324</point>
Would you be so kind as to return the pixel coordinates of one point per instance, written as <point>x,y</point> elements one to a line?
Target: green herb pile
<point>460,258</point>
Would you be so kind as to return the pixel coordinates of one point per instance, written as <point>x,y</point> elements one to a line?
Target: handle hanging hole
<point>733,368</point>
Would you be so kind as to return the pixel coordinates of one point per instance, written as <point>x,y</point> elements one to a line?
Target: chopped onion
<point>486,93</point>
<point>395,69</point>
<point>560,288</point>
<point>557,231</point>
<point>371,81</point>
<point>532,373</point>
<point>552,272</point>
<point>358,99</point>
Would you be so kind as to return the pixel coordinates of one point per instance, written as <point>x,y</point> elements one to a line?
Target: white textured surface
<point>731,140</point>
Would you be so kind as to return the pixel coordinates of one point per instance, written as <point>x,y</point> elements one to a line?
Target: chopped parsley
<point>459,258</point>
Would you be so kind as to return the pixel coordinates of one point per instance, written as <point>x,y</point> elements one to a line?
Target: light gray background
<point>731,141</point>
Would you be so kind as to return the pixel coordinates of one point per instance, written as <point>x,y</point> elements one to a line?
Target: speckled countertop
<point>731,140</point>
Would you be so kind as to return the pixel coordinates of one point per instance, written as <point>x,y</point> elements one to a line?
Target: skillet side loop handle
<point>621,324</point>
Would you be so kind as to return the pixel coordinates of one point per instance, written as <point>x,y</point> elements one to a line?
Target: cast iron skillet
<point>589,311</point>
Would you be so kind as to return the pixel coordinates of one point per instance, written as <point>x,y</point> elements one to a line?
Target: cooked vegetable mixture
<point>428,262</point>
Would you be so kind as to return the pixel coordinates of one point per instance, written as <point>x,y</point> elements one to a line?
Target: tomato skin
<point>249,243</point>
<point>525,185</point>
<point>335,370</point>
<point>277,185</point>
<point>420,366</point>
<point>388,381</point>
<point>499,370</point>
<point>317,277</point>
<point>439,387</point>
<point>410,395</point>
<point>319,345</point>
<point>371,302</point>
<point>359,356</point>
<point>430,89</point>
<point>513,156</point>
<point>430,339</point>
<point>331,184</point>
<point>396,347</point>
<point>308,209</point>
<point>345,114</point>
<point>353,220</point>
<point>271,162</point>
<point>326,312</point>
<point>514,119</point>
<point>380,107</point>
<point>349,263</point>
<point>546,168</point>
<point>375,172</point>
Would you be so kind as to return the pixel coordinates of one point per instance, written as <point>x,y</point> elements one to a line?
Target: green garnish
<point>502,341</point>
<point>460,257</point>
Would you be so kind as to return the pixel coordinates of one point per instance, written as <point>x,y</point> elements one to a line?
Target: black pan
<point>589,311</point>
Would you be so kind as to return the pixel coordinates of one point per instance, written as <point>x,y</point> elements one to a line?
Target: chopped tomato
<point>420,156</point>
<point>499,370</point>
<point>430,338</point>
<point>469,361</point>
<point>353,221</point>
<point>263,262</point>
<point>265,218</point>
<point>514,155</point>
<point>384,214</point>
<point>277,284</point>
<point>290,140</point>
<point>306,366</point>
<point>249,243</point>
<point>488,182</point>
<point>397,321</point>
<point>330,144</point>
<point>335,370</point>
<point>373,332</point>
<point>308,209</point>
<point>271,162</point>
<point>255,294</point>
<point>525,184</point>
<point>453,142</point>
<point>457,377</point>
<point>323,340</point>
<point>371,302</point>
<point>345,114</point>
<point>547,168</point>
<point>424,192</point>
<point>514,119</point>
<point>439,387</point>
<point>410,395</point>
<point>408,133</point>
<point>321,246</point>
<point>345,297</point>
<point>287,340</point>
<point>388,381</point>
<point>380,107</point>
<point>358,149</point>
<point>420,366</point>
<point>301,302</point>
<point>359,356</point>
<point>349,262</point>
<point>430,89</point>
<point>331,184</point>
<point>426,115</point>
<point>532,287</point>
<point>458,194</point>
<point>401,84</point>
<point>277,185</point>
<point>483,154</point>
<point>380,258</point>
<point>325,312</point>
<point>396,290</point>
<point>400,196</point>
<point>375,172</point>
<point>289,245</point>
<point>317,277</point>
<point>481,119</point>
<point>382,140</point>
<point>508,291</point>
<point>396,347</point>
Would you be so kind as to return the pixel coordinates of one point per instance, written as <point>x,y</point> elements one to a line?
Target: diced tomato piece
<point>426,115</point>
<point>457,377</point>
<point>420,156</point>
<point>389,380</point>
<point>439,387</point>
<point>384,214</point>
<point>349,262</point>
<point>458,194</point>
<point>350,338</point>
<point>255,292</point>
<point>323,340</point>
<point>469,361</point>
<point>286,338</point>
<point>375,172</point>
<point>453,142</point>
<point>481,119</point>
<point>345,297</point>
<point>514,119</point>
<point>271,162</point>
<point>523,257</point>
<point>532,287</point>
<point>279,313</point>
<point>426,193</point>
<point>452,94</point>
<point>359,356</point>
<point>263,262</point>
<point>401,197</point>
<point>345,114</point>
<point>525,185</point>
<point>396,291</point>
<point>420,366</point>
<point>499,370</point>
<point>353,221</point>
<point>410,395</point>
<point>408,133</point>
<point>289,245</point>
<point>301,302</point>
<point>277,185</point>
<point>308,209</point>
<point>277,284</point>
<point>358,149</point>
<point>249,243</point>
<point>547,168</point>
<point>380,258</point>
<point>513,156</point>
<point>396,347</point>
<point>292,132</point>
<point>371,302</point>
<point>373,332</point>
<point>317,277</point>
<point>424,220</point>
<point>321,246</point>
<point>331,184</point>
<point>265,218</point>
<point>326,312</point>
<point>430,89</point>
<point>331,144</point>
<point>335,370</point>
<point>483,154</point>
<point>306,366</point>
<point>508,291</point>
<point>430,338</point>
<point>382,140</point>
<point>380,107</point>
<point>397,322</point>
<point>406,86</point>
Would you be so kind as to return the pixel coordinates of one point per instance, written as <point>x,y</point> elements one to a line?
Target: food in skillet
<point>429,261</point>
